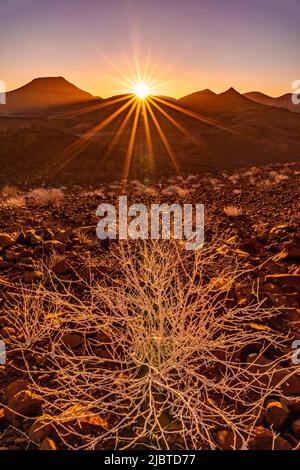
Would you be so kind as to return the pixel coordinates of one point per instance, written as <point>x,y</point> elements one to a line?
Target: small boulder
<point>72,340</point>
<point>13,388</point>
<point>48,444</point>
<point>266,440</point>
<point>39,430</point>
<point>290,280</point>
<point>34,276</point>
<point>277,415</point>
<point>6,240</point>
<point>60,267</point>
<point>83,421</point>
<point>2,416</point>
<point>22,405</point>
<point>296,428</point>
<point>29,237</point>
<point>227,440</point>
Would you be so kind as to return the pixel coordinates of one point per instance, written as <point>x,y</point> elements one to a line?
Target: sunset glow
<point>142,91</point>
<point>192,36</point>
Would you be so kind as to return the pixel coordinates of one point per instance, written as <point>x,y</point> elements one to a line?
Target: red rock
<point>262,367</point>
<point>6,240</point>
<point>83,421</point>
<point>277,415</point>
<point>72,340</point>
<point>23,404</point>
<point>102,338</point>
<point>29,237</point>
<point>266,440</point>
<point>60,267</point>
<point>2,416</point>
<point>48,444</point>
<point>13,388</point>
<point>296,428</point>
<point>7,332</point>
<point>39,430</point>
<point>228,441</point>
<point>33,276</point>
<point>293,251</point>
<point>291,280</point>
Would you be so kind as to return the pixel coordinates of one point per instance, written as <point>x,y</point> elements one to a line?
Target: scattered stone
<point>7,332</point>
<point>291,280</point>
<point>2,416</point>
<point>11,255</point>
<point>102,338</point>
<point>72,340</point>
<point>296,428</point>
<point>33,276</point>
<point>29,237</point>
<point>6,240</point>
<point>48,444</point>
<point>13,388</point>
<point>20,440</point>
<point>293,252</point>
<point>277,415</point>
<point>266,440</point>
<point>83,420</point>
<point>39,430</point>
<point>60,267</point>
<point>23,404</point>
<point>227,440</point>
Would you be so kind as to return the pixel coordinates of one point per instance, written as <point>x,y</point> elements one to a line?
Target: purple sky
<point>192,44</point>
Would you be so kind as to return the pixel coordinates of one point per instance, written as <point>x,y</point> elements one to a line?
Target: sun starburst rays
<point>141,112</point>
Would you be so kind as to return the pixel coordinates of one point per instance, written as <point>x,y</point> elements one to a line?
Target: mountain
<point>46,91</point>
<point>86,142</point>
<point>206,100</point>
<point>284,101</point>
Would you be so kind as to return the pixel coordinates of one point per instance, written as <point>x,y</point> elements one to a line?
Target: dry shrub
<point>161,355</point>
<point>233,211</point>
<point>9,191</point>
<point>13,202</point>
<point>175,190</point>
<point>95,192</point>
<point>46,197</point>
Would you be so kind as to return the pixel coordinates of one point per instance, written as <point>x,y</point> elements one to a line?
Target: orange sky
<point>191,44</point>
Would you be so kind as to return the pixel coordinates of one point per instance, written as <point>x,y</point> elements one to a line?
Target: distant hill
<point>284,101</point>
<point>206,100</point>
<point>86,142</point>
<point>47,91</point>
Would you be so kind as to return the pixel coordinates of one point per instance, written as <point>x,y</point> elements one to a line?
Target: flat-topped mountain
<point>47,91</point>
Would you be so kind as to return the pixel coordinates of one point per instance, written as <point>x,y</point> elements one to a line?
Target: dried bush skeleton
<point>160,360</point>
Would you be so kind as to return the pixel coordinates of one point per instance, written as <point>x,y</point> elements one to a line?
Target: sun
<point>142,91</point>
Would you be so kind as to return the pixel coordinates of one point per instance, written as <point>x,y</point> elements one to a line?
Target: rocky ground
<point>258,211</point>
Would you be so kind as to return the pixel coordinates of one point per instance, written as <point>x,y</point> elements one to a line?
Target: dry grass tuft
<point>9,191</point>
<point>233,211</point>
<point>46,197</point>
<point>13,202</point>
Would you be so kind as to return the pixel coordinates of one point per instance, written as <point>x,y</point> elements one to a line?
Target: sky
<point>182,45</point>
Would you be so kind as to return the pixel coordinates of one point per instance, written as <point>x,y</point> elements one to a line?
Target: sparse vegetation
<point>13,202</point>
<point>160,360</point>
<point>46,197</point>
<point>233,211</point>
<point>143,344</point>
<point>9,191</point>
